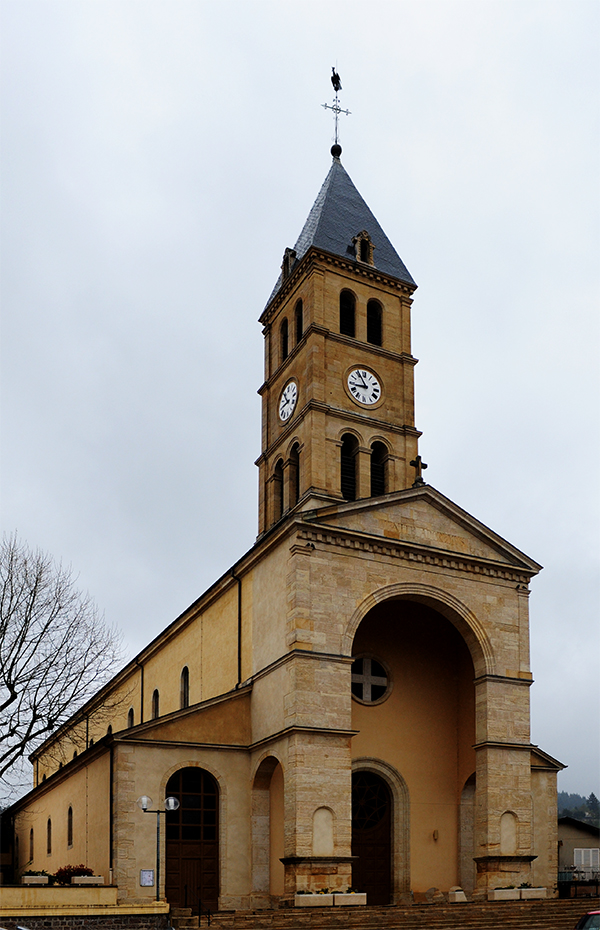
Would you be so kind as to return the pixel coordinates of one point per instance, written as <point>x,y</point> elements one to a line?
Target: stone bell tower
<point>338,396</point>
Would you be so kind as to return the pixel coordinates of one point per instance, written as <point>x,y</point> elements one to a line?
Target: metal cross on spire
<point>336,109</point>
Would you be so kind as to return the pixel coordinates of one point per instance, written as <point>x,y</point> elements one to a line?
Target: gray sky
<point>158,157</point>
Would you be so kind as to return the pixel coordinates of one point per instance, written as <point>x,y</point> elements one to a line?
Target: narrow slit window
<point>374,323</point>
<point>130,718</point>
<point>299,321</point>
<point>378,469</point>
<point>283,340</point>
<point>31,845</point>
<point>278,491</point>
<point>347,314</point>
<point>348,467</point>
<point>49,837</point>
<point>70,827</point>
<point>155,704</point>
<point>294,475</point>
<point>184,687</point>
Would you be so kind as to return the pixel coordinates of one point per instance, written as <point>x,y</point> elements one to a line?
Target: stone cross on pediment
<point>418,464</point>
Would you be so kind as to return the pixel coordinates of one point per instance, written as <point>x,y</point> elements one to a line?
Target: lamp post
<point>171,804</point>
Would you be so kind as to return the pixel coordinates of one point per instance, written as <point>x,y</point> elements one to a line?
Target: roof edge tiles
<point>338,215</point>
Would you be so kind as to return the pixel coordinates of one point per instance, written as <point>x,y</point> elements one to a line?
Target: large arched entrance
<point>372,836</point>
<point>192,840</point>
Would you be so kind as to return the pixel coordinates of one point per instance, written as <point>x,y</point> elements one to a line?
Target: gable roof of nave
<point>423,518</point>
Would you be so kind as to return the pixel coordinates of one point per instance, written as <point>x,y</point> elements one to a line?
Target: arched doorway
<point>372,836</point>
<point>192,840</point>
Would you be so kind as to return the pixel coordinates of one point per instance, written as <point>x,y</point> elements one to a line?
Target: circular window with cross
<point>371,680</point>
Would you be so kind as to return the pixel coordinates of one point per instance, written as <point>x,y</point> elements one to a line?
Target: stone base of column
<point>500,871</point>
<point>311,873</point>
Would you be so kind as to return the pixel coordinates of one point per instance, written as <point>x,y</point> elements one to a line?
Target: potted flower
<point>352,897</point>
<point>528,893</point>
<point>33,877</point>
<point>78,875</point>
<point>506,893</point>
<point>321,898</point>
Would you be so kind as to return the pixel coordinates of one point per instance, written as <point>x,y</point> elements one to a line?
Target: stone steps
<point>505,915</point>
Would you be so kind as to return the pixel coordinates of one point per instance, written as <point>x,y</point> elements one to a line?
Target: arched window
<point>374,327</point>
<point>109,730</point>
<point>130,718</point>
<point>298,321</point>
<point>378,469</point>
<point>294,475</point>
<point>155,704</point>
<point>44,777</point>
<point>278,491</point>
<point>184,687</point>
<point>347,312</point>
<point>49,837</point>
<point>91,742</point>
<point>348,463</point>
<point>74,753</point>
<point>31,845</point>
<point>70,827</point>
<point>283,340</point>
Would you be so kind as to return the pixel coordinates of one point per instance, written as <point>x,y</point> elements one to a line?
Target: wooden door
<point>372,837</point>
<point>192,841</point>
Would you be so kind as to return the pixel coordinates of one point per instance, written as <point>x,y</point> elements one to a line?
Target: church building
<point>348,705</point>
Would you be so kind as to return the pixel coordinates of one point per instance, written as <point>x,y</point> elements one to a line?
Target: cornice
<point>311,260</point>
<point>527,682</point>
<point>340,413</point>
<point>344,538</point>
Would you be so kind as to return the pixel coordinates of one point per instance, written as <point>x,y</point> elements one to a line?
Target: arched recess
<point>466,836</point>
<point>463,619</point>
<point>509,833</point>
<point>267,829</point>
<point>192,839</point>
<point>400,861</point>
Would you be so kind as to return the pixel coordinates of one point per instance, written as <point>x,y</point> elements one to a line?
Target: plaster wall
<point>87,792</point>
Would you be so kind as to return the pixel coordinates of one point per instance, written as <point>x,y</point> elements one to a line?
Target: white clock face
<point>364,386</point>
<point>287,401</point>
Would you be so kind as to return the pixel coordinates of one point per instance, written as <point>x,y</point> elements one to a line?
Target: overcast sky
<point>159,155</point>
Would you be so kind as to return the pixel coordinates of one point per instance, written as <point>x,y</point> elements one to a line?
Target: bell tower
<point>338,395</point>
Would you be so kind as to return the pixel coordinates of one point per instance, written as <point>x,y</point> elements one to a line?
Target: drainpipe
<point>239,626</point>
<point>141,668</point>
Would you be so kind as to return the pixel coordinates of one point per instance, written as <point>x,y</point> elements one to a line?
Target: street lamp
<point>171,804</point>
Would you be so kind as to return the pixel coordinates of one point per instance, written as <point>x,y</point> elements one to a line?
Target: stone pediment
<point>224,721</point>
<point>424,518</point>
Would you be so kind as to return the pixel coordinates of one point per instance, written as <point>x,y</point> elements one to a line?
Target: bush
<point>63,875</point>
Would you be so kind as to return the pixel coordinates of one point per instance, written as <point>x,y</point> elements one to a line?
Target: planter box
<point>34,880</point>
<point>528,893</point>
<point>313,900</point>
<point>87,879</point>
<point>457,897</point>
<point>504,894</point>
<point>350,900</point>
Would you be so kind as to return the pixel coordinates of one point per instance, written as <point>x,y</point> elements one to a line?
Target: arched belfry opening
<point>413,705</point>
<point>349,467</point>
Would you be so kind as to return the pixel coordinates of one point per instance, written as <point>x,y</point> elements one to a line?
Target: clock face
<point>364,386</point>
<point>287,401</point>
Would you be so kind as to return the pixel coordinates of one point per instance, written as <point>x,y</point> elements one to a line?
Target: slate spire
<point>338,215</point>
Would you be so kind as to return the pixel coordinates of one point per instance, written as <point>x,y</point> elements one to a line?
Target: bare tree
<point>55,650</point>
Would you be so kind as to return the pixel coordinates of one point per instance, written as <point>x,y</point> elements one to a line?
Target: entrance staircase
<point>504,915</point>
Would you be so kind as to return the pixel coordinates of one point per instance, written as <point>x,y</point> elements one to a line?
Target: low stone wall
<point>115,922</point>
